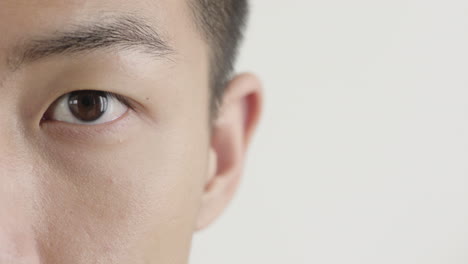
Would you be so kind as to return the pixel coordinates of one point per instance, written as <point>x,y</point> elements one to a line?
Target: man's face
<point>127,187</point>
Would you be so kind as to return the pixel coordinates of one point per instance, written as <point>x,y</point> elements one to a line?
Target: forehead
<point>50,11</point>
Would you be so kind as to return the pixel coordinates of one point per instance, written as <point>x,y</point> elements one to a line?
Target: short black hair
<point>222,22</point>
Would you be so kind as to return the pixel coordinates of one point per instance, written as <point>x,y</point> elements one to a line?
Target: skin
<point>133,190</point>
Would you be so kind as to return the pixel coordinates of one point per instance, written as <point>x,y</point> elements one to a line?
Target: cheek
<point>141,193</point>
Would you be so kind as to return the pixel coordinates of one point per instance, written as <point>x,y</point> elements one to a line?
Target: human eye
<point>87,107</point>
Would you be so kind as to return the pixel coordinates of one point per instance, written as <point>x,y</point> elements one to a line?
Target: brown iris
<point>87,105</point>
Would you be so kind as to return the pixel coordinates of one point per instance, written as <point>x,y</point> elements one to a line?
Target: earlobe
<point>232,132</point>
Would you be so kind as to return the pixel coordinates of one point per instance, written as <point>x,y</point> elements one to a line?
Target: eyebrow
<point>122,32</point>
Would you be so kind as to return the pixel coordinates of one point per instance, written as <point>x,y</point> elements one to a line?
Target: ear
<point>231,133</point>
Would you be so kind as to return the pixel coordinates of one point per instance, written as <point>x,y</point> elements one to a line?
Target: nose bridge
<point>17,236</point>
<point>16,169</point>
<point>13,158</point>
<point>15,164</point>
<point>17,239</point>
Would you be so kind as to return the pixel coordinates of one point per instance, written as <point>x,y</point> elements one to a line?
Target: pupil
<point>87,105</point>
<point>86,101</point>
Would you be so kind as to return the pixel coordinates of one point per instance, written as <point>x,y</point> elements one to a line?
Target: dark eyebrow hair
<point>124,32</point>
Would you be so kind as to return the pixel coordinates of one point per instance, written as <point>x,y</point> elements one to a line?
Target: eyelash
<point>124,100</point>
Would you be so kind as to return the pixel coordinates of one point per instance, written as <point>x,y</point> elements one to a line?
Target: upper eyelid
<point>121,98</point>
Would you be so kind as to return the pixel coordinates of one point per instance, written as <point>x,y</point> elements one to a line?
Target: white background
<point>362,153</point>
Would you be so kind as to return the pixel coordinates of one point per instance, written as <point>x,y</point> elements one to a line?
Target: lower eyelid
<point>76,135</point>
